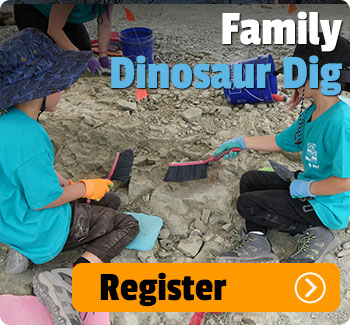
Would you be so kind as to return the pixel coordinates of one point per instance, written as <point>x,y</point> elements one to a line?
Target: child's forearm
<point>264,143</point>
<point>70,193</point>
<point>63,181</point>
<point>330,186</point>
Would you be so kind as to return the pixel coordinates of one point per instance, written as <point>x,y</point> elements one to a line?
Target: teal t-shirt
<point>28,182</point>
<point>80,14</point>
<point>325,152</point>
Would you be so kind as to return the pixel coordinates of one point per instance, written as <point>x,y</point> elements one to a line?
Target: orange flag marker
<point>292,8</point>
<point>141,93</point>
<point>129,15</point>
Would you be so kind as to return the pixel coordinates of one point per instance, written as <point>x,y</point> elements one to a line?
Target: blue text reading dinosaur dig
<point>221,75</point>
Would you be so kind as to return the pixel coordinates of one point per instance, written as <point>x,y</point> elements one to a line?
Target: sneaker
<point>251,248</point>
<point>54,290</point>
<point>16,262</point>
<point>313,245</point>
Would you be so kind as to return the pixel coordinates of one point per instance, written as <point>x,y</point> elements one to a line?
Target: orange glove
<point>96,188</point>
<point>70,182</point>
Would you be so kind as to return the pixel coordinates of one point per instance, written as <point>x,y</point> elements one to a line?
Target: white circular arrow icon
<point>306,278</point>
<point>313,288</point>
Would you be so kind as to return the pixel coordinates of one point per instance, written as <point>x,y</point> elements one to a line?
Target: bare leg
<point>91,257</point>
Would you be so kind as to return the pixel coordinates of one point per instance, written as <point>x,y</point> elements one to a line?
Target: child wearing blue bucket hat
<point>318,200</point>
<point>64,23</point>
<point>40,211</point>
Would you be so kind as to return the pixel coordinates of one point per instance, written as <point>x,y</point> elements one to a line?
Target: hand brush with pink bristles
<point>193,170</point>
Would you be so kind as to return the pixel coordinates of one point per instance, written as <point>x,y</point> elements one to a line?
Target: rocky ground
<point>94,122</point>
<point>6,16</point>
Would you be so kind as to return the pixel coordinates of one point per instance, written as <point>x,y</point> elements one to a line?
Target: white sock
<point>257,233</point>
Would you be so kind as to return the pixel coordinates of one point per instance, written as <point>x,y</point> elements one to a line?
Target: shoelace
<point>303,243</point>
<point>244,239</point>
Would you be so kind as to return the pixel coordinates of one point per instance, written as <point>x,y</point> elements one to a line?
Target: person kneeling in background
<point>64,23</point>
<point>41,212</point>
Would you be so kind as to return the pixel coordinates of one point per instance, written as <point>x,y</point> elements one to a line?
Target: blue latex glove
<point>300,189</point>
<point>231,144</point>
<point>105,64</point>
<point>94,67</point>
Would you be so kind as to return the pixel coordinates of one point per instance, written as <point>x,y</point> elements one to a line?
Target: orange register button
<point>206,287</point>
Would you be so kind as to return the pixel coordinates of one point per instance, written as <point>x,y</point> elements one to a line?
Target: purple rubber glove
<point>231,144</point>
<point>94,67</point>
<point>300,189</point>
<point>106,65</point>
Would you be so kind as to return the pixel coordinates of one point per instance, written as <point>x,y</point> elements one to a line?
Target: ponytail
<point>295,101</point>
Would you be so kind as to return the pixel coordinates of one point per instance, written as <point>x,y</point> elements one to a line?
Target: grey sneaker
<point>16,262</point>
<point>251,248</point>
<point>313,245</point>
<point>54,290</point>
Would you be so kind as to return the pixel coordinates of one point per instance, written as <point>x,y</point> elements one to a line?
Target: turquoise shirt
<point>80,14</point>
<point>325,152</point>
<point>28,182</point>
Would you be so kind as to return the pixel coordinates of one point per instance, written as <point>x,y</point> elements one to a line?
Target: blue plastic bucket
<point>254,95</point>
<point>137,41</point>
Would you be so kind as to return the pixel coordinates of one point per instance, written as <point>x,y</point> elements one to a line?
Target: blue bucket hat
<point>32,66</point>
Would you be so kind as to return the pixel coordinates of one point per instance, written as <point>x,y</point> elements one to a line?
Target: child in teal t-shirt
<point>325,146</point>
<point>28,183</point>
<point>41,212</point>
<point>319,198</point>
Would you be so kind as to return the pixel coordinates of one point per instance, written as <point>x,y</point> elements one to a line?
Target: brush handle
<point>114,165</point>
<point>279,98</point>
<point>220,155</point>
<point>88,201</point>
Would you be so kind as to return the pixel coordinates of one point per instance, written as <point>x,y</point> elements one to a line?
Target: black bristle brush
<point>193,170</point>
<point>122,165</point>
<point>121,168</point>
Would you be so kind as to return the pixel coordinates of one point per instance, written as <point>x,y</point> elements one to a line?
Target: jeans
<point>265,202</point>
<point>106,230</point>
